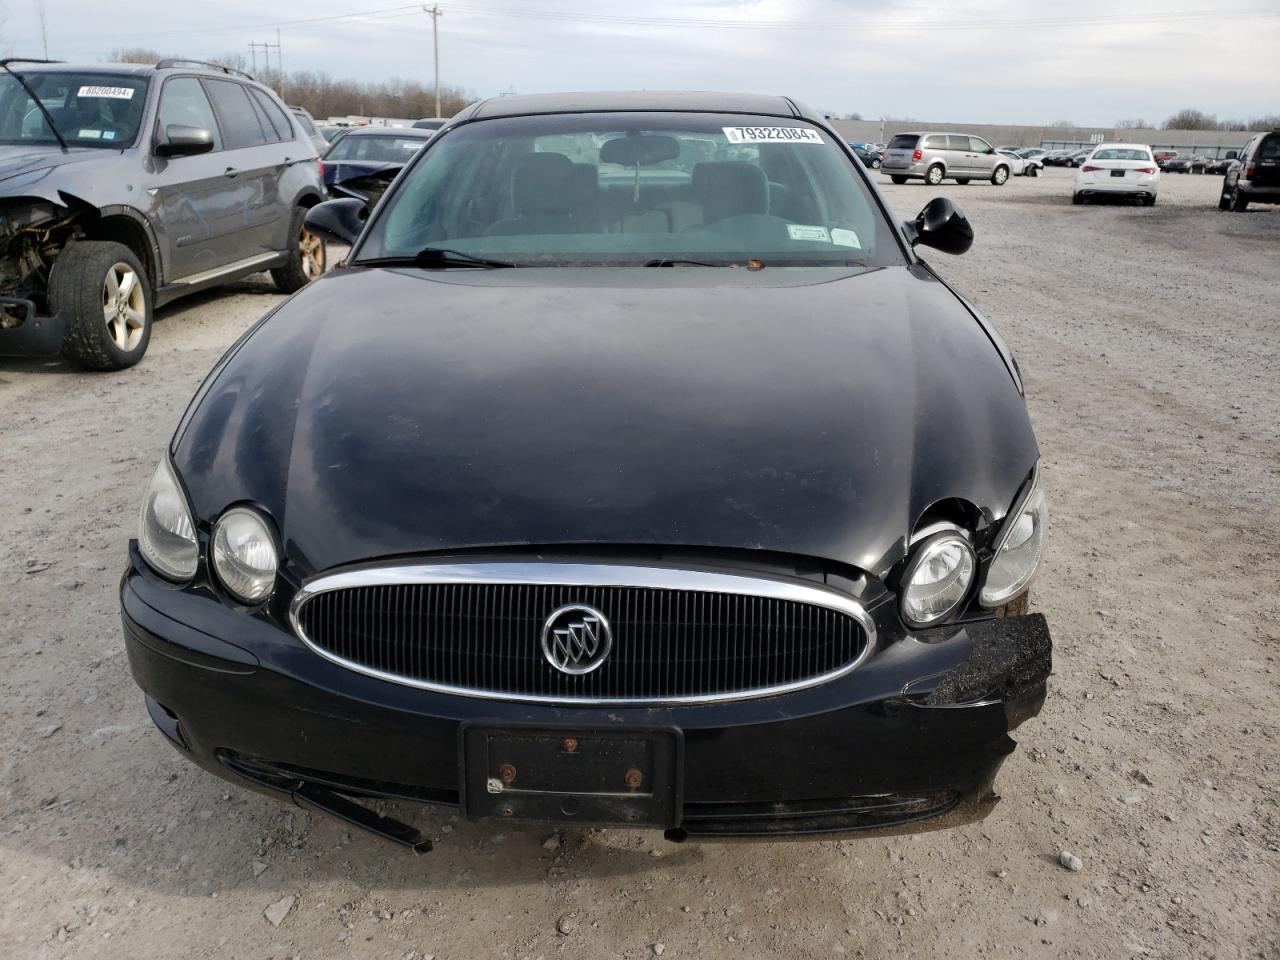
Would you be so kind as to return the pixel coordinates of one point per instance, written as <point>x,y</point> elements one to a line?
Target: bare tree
<point>1192,120</point>
<point>1063,124</point>
<point>1134,124</point>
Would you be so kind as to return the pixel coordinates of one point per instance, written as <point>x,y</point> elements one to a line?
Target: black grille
<point>666,643</point>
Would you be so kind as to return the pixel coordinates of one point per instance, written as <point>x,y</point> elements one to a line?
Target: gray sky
<point>1090,61</point>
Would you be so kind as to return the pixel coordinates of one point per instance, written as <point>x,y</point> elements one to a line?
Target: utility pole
<point>280,63</point>
<point>435,14</point>
<point>266,59</point>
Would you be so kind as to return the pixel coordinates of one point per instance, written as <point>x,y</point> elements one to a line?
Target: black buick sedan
<point>633,469</point>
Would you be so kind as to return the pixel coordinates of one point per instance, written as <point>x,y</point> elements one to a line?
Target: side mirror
<point>340,220</point>
<point>180,140</point>
<point>940,225</point>
<point>1232,155</point>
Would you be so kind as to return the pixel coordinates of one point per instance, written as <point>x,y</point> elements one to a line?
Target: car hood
<point>386,413</point>
<point>336,171</point>
<point>18,159</point>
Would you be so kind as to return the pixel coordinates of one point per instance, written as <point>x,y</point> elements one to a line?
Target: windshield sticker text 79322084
<point>771,135</point>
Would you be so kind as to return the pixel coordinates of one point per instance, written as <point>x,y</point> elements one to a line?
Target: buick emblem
<point>576,639</point>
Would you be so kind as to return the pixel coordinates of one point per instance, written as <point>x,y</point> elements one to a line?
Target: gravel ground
<point>1148,341</point>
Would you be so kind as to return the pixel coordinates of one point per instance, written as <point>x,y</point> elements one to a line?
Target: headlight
<point>937,579</point>
<point>166,532</point>
<point>244,554</point>
<point>1017,552</point>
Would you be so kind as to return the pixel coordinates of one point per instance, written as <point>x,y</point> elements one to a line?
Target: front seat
<point>545,193</point>
<point>730,188</point>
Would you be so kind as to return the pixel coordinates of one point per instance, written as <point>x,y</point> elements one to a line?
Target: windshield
<point>89,109</point>
<point>635,188</point>
<point>375,149</point>
<point>1119,153</point>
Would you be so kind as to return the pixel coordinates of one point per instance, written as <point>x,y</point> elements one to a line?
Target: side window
<point>978,145</point>
<point>239,120</point>
<point>275,116</point>
<point>183,101</point>
<point>960,144</point>
<point>935,143</point>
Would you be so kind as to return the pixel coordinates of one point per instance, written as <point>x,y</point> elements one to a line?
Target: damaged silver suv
<point>124,186</point>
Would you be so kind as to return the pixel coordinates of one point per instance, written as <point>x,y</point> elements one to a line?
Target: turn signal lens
<point>244,555</point>
<point>166,531</point>
<point>1019,548</point>
<point>937,579</point>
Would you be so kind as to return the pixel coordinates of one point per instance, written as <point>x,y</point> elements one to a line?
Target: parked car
<point>364,162</point>
<point>430,123</point>
<point>1019,166</point>
<point>124,186</point>
<point>1056,158</point>
<point>1077,158</point>
<point>1177,164</point>
<point>868,157</point>
<point>1032,153</point>
<point>308,124</point>
<point>1163,157</point>
<point>933,157</point>
<point>1197,164</point>
<point>1118,170</point>
<point>1220,164</point>
<point>1254,177</point>
<point>397,594</point>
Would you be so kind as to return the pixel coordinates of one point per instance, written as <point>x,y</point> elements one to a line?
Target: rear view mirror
<point>942,226</point>
<point>639,150</point>
<point>180,140</point>
<point>340,220</point>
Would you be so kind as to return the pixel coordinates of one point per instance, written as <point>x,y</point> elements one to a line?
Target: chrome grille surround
<point>588,575</point>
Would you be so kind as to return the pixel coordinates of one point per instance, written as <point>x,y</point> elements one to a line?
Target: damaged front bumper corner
<point>24,332</point>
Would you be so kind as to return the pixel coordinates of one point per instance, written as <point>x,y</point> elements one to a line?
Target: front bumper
<point>34,335</point>
<point>910,740</point>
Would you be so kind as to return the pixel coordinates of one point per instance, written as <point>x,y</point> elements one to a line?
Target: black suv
<point>123,186</point>
<point>1254,176</point>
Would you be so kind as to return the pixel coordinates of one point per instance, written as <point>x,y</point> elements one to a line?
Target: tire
<point>875,164</point>
<point>1148,201</point>
<point>307,256</point>
<point>933,176</point>
<point>1239,202</point>
<point>104,295</point>
<point>1224,198</point>
<point>962,180</point>
<point>1077,199</point>
<point>1000,175</point>
<point>1033,172</point>
<point>897,179</point>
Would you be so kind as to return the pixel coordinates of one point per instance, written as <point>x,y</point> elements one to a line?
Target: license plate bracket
<point>571,774</point>
<point>1117,173</point>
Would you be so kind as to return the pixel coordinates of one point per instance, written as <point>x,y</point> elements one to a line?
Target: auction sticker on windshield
<point>771,135</point>
<point>110,93</point>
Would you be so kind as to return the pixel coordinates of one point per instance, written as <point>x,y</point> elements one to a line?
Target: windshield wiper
<point>44,111</point>
<point>677,262</point>
<point>435,258</point>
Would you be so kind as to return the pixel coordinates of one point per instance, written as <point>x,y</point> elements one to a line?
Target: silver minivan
<point>934,157</point>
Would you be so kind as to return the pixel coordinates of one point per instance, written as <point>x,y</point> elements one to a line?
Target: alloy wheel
<point>124,306</point>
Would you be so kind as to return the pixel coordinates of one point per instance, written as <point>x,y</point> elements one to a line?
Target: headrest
<point>730,188</point>
<point>543,183</point>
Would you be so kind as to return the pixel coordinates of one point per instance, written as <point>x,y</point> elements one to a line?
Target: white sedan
<point>1020,166</point>
<point>1118,170</point>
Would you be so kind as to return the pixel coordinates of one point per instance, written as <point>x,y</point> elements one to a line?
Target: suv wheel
<point>306,256</point>
<point>101,289</point>
<point>933,176</point>
<point>962,180</point>
<point>999,175</point>
<point>1239,201</point>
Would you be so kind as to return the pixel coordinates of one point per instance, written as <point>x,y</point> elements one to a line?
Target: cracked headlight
<point>1019,548</point>
<point>937,579</point>
<point>166,532</point>
<point>244,554</point>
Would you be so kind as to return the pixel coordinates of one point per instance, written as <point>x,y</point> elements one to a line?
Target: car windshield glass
<point>375,149</point>
<point>634,189</point>
<point>1114,153</point>
<point>89,109</point>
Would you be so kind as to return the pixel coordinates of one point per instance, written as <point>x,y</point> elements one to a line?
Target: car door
<point>188,192</point>
<point>251,172</point>
<point>982,157</point>
<point>957,155</point>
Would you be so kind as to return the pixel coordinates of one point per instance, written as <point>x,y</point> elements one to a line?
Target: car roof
<point>1122,146</point>
<point>646,101</point>
<point>129,69</point>
<point>412,133</point>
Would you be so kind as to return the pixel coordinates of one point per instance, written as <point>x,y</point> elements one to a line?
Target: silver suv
<point>934,157</point>
<point>124,186</point>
